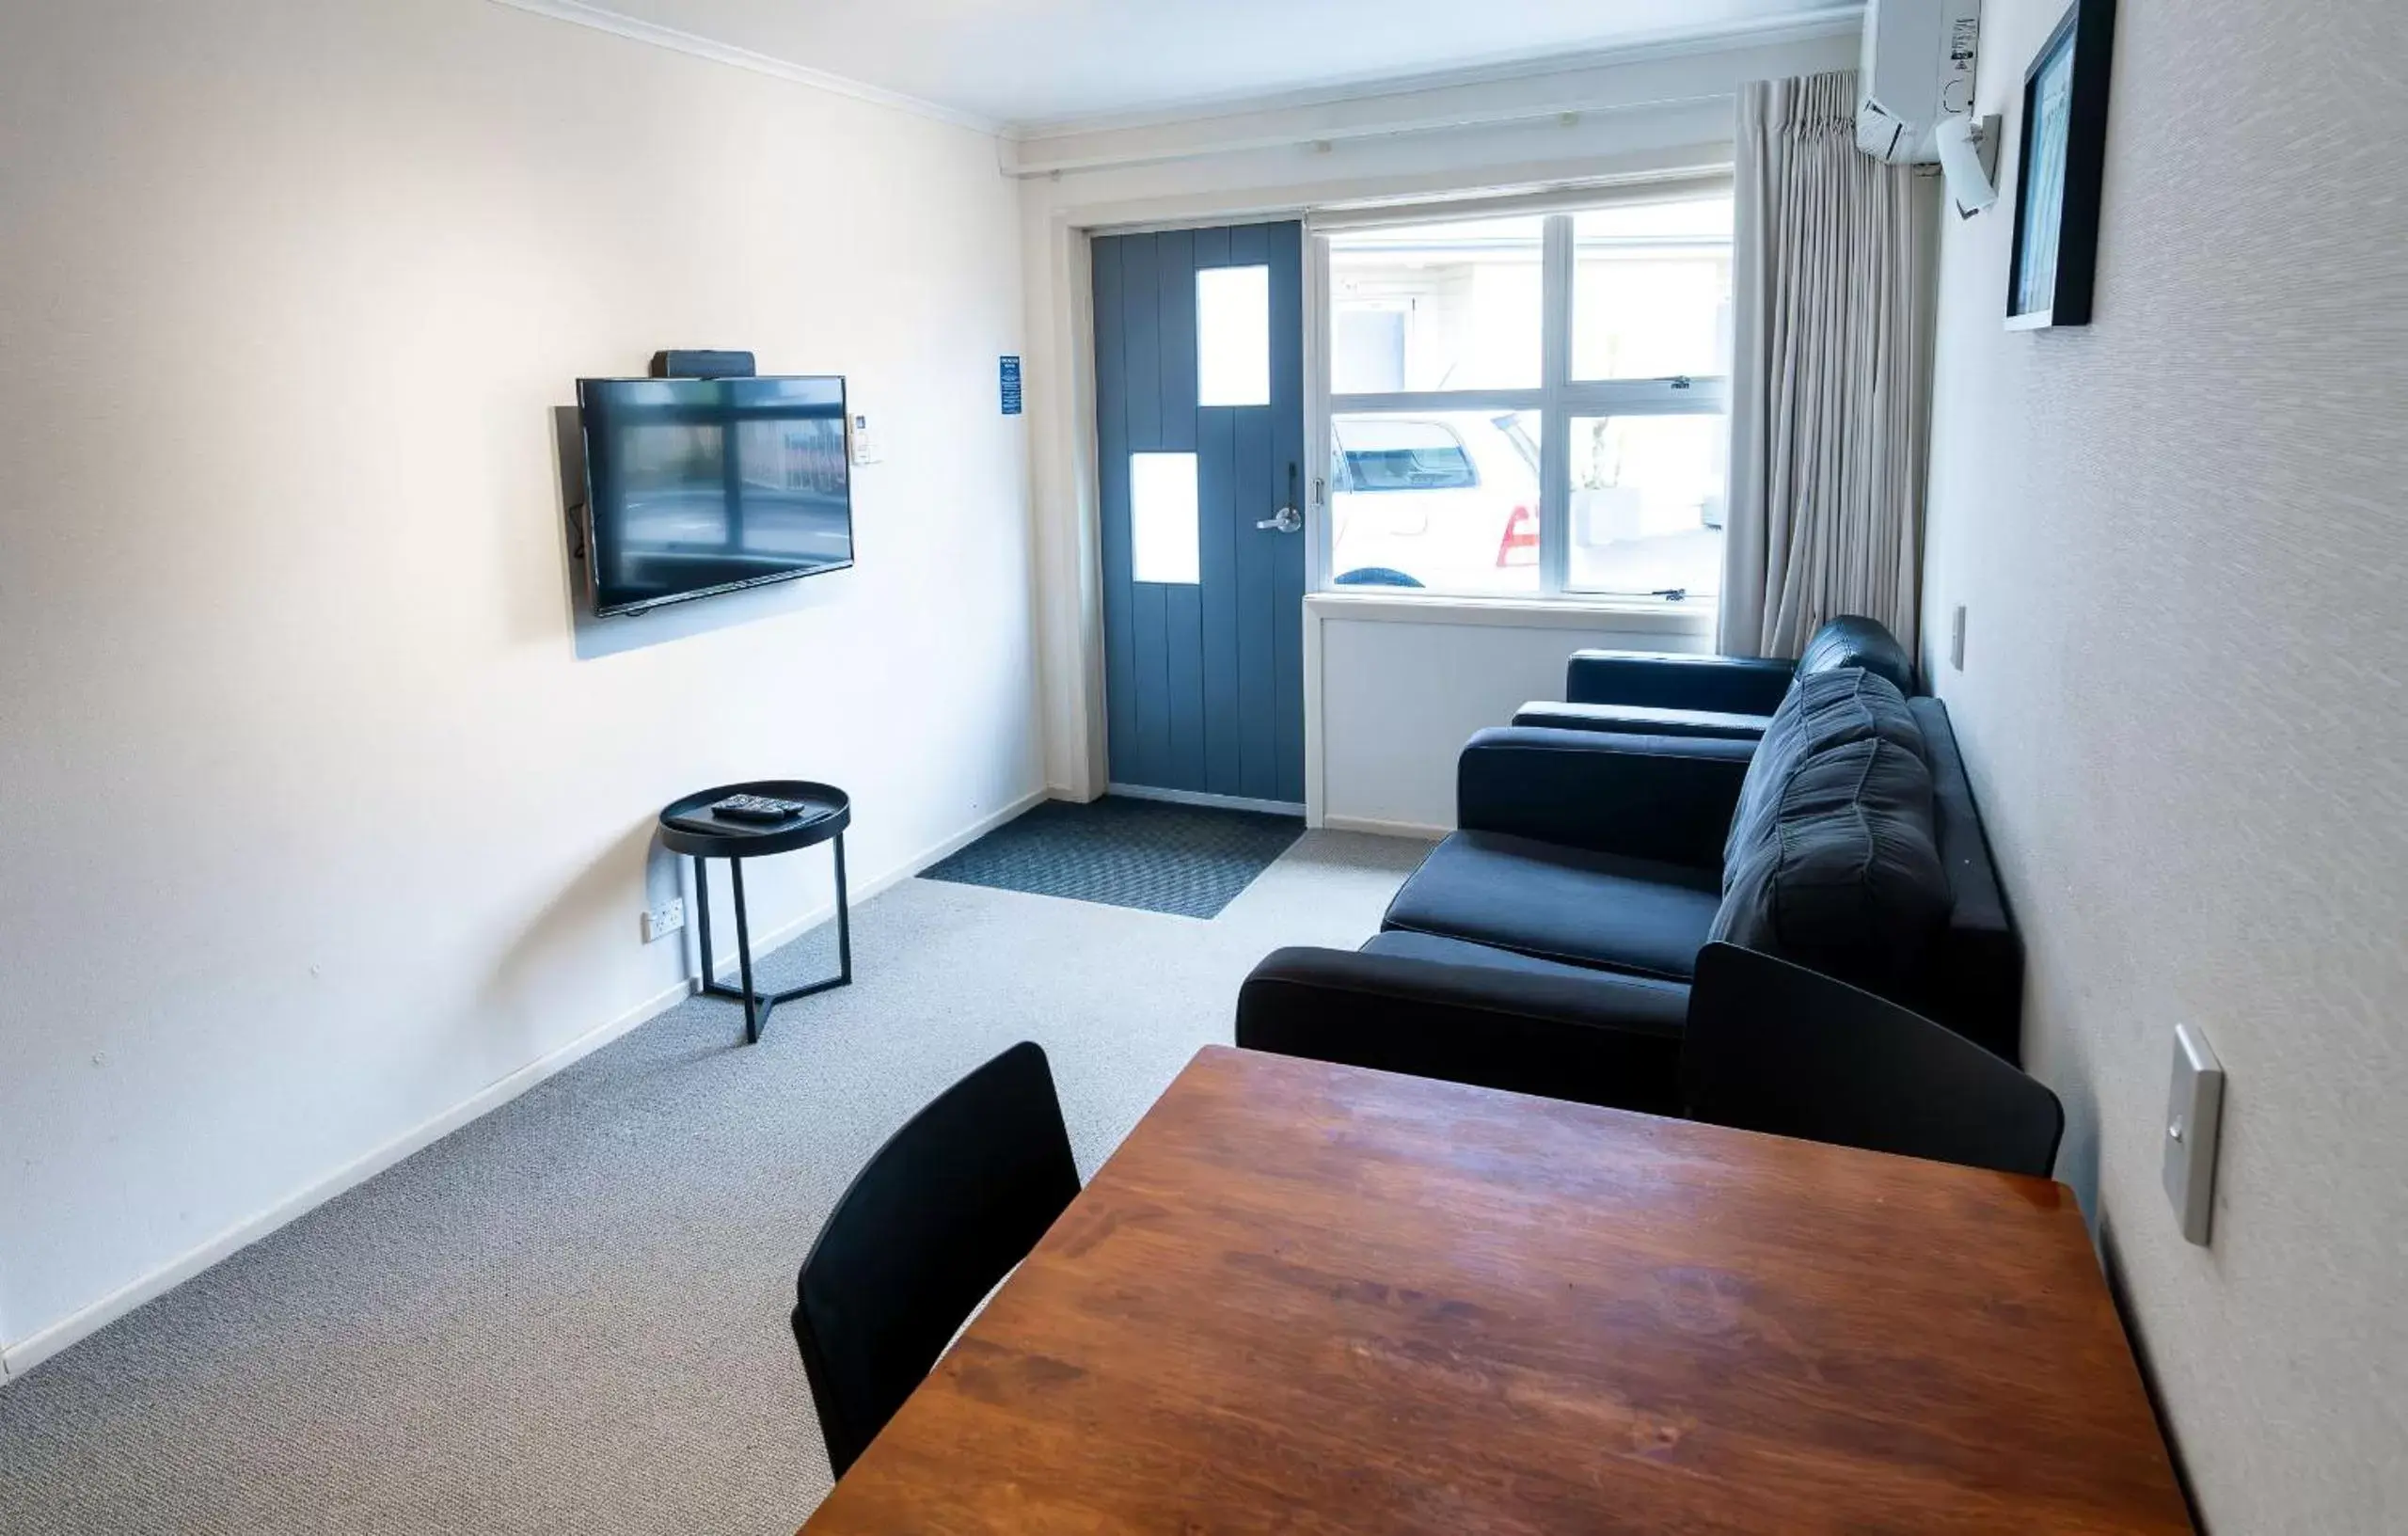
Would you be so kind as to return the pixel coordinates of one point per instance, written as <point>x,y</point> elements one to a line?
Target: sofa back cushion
<point>1832,860</point>
<point>1853,640</point>
<point>1822,712</point>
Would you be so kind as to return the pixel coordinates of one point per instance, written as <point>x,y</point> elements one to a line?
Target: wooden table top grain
<point>1309,1298</point>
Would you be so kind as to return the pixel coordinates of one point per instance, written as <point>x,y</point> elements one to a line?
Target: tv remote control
<point>757,808</point>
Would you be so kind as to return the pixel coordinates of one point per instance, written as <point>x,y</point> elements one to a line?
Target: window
<point>1162,518</point>
<point>1647,504</point>
<point>1233,336</point>
<point>1650,290</point>
<point>1437,307</point>
<point>1441,500</point>
<point>1532,405</point>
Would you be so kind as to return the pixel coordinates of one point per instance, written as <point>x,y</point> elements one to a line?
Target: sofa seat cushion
<point>1601,910</point>
<point>1833,861</point>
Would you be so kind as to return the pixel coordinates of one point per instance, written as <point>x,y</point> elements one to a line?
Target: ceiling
<point>1041,61</point>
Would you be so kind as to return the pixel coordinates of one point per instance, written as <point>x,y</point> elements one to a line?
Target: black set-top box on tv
<point>701,363</point>
<point>695,486</point>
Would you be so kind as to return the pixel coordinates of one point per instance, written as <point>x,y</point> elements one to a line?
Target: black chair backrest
<point>942,1212</point>
<point>1774,1047</point>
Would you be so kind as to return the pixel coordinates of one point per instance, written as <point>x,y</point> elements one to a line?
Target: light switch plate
<point>2194,1118</point>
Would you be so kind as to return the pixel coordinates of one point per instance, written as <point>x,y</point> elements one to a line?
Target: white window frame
<point>1558,396</point>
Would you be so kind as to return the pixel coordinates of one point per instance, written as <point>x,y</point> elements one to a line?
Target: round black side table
<point>688,826</point>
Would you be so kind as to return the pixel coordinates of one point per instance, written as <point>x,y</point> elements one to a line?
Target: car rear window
<point>1403,456</point>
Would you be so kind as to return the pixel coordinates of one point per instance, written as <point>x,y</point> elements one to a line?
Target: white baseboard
<point>1384,829</point>
<point>25,1354</point>
<point>28,1353</point>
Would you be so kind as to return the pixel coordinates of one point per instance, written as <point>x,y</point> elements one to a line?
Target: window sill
<point>1694,616</point>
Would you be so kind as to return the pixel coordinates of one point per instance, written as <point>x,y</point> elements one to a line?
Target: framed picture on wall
<point>2062,162</point>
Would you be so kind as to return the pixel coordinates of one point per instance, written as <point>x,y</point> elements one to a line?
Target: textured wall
<point>2182,534</point>
<point>319,814</point>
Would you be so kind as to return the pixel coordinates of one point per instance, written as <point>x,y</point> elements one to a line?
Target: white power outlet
<point>664,920</point>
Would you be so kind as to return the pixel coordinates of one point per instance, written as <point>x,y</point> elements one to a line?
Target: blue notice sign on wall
<point>1011,386</point>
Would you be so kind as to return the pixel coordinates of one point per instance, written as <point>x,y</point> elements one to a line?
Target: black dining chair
<point>934,1222</point>
<point>1774,1047</point>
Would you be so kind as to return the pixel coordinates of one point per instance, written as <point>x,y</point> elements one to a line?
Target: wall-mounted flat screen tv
<point>696,486</point>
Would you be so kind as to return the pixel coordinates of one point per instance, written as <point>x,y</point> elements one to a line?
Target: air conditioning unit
<point>1917,71</point>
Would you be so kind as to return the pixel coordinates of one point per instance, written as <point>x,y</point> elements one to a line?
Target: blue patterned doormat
<point>1189,860</point>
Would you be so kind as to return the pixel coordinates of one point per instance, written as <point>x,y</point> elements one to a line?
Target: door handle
<point>1288,519</point>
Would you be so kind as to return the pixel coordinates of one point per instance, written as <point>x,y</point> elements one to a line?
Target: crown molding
<point>1830,20</point>
<point>1024,167</point>
<point>578,13</point>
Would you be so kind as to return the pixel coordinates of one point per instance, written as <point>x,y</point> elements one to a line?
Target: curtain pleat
<point>1832,263</point>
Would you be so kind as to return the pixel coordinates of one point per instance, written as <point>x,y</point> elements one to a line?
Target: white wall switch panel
<point>866,449</point>
<point>2194,1118</point>
<point>665,919</point>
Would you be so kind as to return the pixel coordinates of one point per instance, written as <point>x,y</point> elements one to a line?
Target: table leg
<point>744,956</point>
<point>757,1006</point>
<point>844,919</point>
<point>703,920</point>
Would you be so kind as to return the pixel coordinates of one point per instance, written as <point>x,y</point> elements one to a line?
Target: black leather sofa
<point>1811,810</point>
<point>1636,692</point>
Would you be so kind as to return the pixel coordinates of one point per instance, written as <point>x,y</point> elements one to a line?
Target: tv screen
<point>701,485</point>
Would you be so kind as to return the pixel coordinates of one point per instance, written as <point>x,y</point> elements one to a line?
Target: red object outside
<point>1520,546</point>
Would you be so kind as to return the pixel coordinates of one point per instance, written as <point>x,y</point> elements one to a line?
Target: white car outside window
<point>1443,500</point>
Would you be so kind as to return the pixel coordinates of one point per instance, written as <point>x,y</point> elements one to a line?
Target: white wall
<point>2181,536</point>
<point>1401,690</point>
<point>317,825</point>
<point>1664,110</point>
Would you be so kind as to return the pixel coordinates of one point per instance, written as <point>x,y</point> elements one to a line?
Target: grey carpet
<point>1192,860</point>
<point>571,1315</point>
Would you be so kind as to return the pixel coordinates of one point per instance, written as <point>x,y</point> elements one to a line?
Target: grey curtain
<point>1832,284</point>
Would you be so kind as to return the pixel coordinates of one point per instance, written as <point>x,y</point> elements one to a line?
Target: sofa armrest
<point>1735,685</point>
<point>1607,1040</point>
<point>1971,979</point>
<point>1644,796</point>
<point>1641,719</point>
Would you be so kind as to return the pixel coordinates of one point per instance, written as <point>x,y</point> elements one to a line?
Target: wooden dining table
<point>1303,1297</point>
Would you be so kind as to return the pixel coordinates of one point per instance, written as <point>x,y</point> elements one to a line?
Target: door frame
<point>1072,249</point>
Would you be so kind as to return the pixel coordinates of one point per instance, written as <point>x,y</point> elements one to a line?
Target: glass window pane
<point>1162,517</point>
<point>1233,336</point>
<point>1436,307</point>
<point>1444,500</point>
<point>1650,290</point>
<point>1647,502</point>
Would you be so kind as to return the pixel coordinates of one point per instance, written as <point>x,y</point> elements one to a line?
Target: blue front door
<point>1200,429</point>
